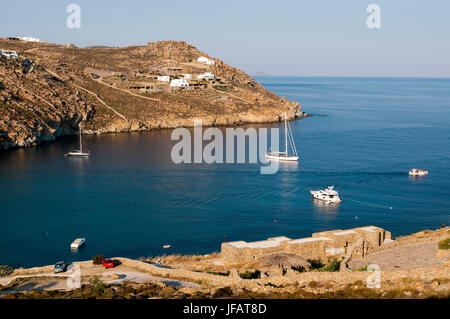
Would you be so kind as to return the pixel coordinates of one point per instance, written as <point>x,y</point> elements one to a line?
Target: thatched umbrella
<point>284,260</point>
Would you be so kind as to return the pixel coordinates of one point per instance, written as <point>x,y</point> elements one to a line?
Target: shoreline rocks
<point>52,98</point>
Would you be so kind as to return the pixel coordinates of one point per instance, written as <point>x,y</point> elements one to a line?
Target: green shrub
<point>223,292</point>
<point>363,268</point>
<point>316,264</point>
<point>444,244</point>
<point>98,285</point>
<point>250,274</point>
<point>6,270</point>
<point>441,281</point>
<point>221,87</point>
<point>98,260</point>
<point>168,291</point>
<point>219,273</point>
<point>332,266</point>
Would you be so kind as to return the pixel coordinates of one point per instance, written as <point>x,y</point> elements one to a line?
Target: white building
<point>205,60</point>
<point>179,83</point>
<point>187,76</point>
<point>9,54</point>
<point>164,78</point>
<point>206,75</point>
<point>30,39</point>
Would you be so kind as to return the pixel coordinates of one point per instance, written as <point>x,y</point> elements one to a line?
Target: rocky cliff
<point>52,89</point>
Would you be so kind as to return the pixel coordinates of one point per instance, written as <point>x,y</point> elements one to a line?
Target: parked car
<point>109,263</point>
<point>60,266</point>
<point>9,54</point>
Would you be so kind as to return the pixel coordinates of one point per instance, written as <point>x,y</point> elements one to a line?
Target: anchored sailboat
<point>289,140</point>
<point>78,153</point>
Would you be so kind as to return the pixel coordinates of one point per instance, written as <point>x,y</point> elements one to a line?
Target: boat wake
<point>224,198</point>
<point>369,204</point>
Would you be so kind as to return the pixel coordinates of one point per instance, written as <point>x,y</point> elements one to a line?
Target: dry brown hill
<point>51,89</point>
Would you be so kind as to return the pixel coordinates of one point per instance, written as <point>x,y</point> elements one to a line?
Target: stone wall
<point>209,280</point>
<point>320,246</point>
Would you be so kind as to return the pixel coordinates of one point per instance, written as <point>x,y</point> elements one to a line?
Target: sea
<point>129,198</point>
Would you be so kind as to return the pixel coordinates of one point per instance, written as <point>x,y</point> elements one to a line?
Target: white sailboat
<point>78,153</point>
<point>289,140</point>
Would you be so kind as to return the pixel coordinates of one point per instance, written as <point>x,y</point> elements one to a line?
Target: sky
<point>289,38</point>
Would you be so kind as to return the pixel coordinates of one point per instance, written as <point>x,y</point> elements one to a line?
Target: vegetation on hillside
<point>444,244</point>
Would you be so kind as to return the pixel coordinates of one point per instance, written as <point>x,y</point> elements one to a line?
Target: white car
<point>9,54</point>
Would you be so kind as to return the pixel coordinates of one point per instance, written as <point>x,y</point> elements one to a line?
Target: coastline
<point>406,281</point>
<point>50,90</point>
<point>163,124</point>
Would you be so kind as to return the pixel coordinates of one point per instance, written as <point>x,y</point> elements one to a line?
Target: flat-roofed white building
<point>205,60</point>
<point>187,76</point>
<point>30,39</point>
<point>179,83</point>
<point>163,78</point>
<point>206,75</point>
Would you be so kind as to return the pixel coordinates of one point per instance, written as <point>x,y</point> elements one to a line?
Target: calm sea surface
<point>129,199</point>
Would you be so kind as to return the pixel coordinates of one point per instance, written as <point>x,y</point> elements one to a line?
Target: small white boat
<point>77,243</point>
<point>289,139</point>
<point>167,246</point>
<point>78,153</point>
<point>328,195</point>
<point>418,172</point>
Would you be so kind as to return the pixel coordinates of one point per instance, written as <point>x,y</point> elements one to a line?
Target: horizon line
<point>351,76</point>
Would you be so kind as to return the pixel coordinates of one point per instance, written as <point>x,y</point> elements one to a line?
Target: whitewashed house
<point>206,75</point>
<point>9,54</point>
<point>179,83</point>
<point>187,76</point>
<point>164,78</point>
<point>30,39</point>
<point>205,60</point>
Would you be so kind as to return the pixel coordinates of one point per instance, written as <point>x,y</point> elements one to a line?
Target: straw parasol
<point>284,260</point>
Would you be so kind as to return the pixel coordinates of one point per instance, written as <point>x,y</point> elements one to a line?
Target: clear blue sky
<point>321,37</point>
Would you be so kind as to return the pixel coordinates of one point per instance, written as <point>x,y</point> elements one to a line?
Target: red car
<point>108,263</point>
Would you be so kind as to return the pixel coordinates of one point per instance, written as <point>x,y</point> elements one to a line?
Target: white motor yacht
<point>77,243</point>
<point>328,195</point>
<point>418,172</point>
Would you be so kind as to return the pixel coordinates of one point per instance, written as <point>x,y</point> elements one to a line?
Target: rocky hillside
<point>51,89</point>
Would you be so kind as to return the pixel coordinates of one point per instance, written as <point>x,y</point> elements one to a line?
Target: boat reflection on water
<point>288,166</point>
<point>417,179</point>
<point>325,208</point>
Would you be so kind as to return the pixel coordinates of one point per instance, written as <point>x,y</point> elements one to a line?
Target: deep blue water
<point>129,199</point>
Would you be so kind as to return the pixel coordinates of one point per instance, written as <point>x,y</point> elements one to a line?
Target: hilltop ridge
<point>51,89</point>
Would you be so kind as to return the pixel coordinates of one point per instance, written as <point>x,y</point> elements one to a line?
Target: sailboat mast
<point>285,133</point>
<point>81,145</point>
